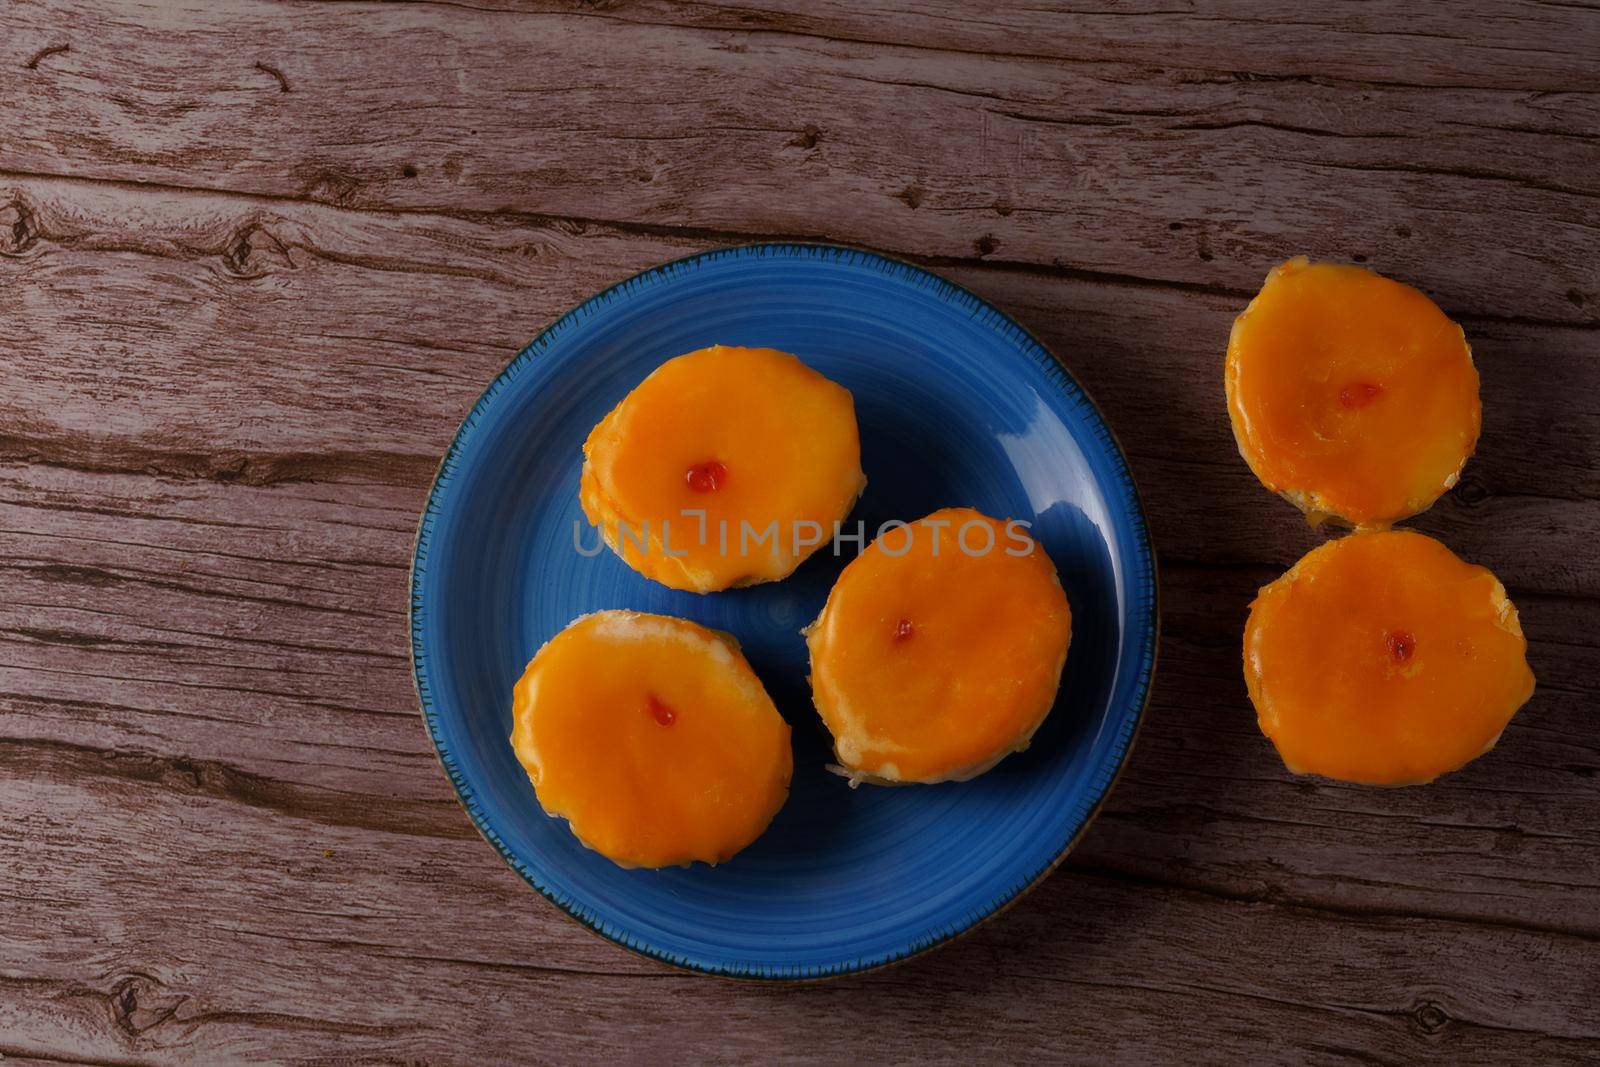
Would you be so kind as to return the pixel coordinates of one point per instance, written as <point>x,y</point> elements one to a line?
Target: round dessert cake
<point>940,649</point>
<point>1383,658</point>
<point>725,467</point>
<point>653,738</point>
<point>1350,394</point>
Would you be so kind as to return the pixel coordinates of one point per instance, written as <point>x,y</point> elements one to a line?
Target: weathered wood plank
<point>1101,162</point>
<point>516,273</point>
<point>278,944</point>
<point>1520,44</point>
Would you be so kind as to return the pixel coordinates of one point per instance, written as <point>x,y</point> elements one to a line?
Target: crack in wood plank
<point>215,780</point>
<point>97,455</point>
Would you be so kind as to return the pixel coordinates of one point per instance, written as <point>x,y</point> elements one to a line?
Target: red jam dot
<point>1359,394</point>
<point>660,712</point>
<point>903,631</point>
<point>1401,645</point>
<point>706,477</point>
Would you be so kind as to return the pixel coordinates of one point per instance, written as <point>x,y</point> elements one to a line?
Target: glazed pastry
<point>939,650</point>
<point>725,467</point>
<point>1383,658</point>
<point>1351,395</point>
<point>653,738</point>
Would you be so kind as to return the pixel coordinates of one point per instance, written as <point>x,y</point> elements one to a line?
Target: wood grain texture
<point>257,260</point>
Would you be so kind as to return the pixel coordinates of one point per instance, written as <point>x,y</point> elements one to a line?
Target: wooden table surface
<point>258,259</point>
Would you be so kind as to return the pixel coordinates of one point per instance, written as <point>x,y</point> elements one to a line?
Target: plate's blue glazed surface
<point>957,405</point>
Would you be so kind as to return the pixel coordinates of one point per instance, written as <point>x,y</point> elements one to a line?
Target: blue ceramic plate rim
<point>1143,610</point>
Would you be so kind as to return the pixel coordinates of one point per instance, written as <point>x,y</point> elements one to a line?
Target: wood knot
<point>912,196</point>
<point>1430,1017</point>
<point>230,468</point>
<point>1471,492</point>
<point>986,245</point>
<point>186,773</point>
<point>19,230</point>
<point>250,252</point>
<point>807,138</point>
<point>139,1003</point>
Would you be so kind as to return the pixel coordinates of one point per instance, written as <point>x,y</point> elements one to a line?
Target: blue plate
<point>957,405</point>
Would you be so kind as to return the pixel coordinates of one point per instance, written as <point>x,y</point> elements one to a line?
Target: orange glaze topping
<point>653,738</point>
<point>1351,394</point>
<point>764,446</point>
<point>1383,658</point>
<point>930,662</point>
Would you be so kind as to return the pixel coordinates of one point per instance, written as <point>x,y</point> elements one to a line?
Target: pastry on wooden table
<point>653,738</point>
<point>725,467</point>
<point>939,650</point>
<point>1351,395</point>
<point>1383,658</point>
